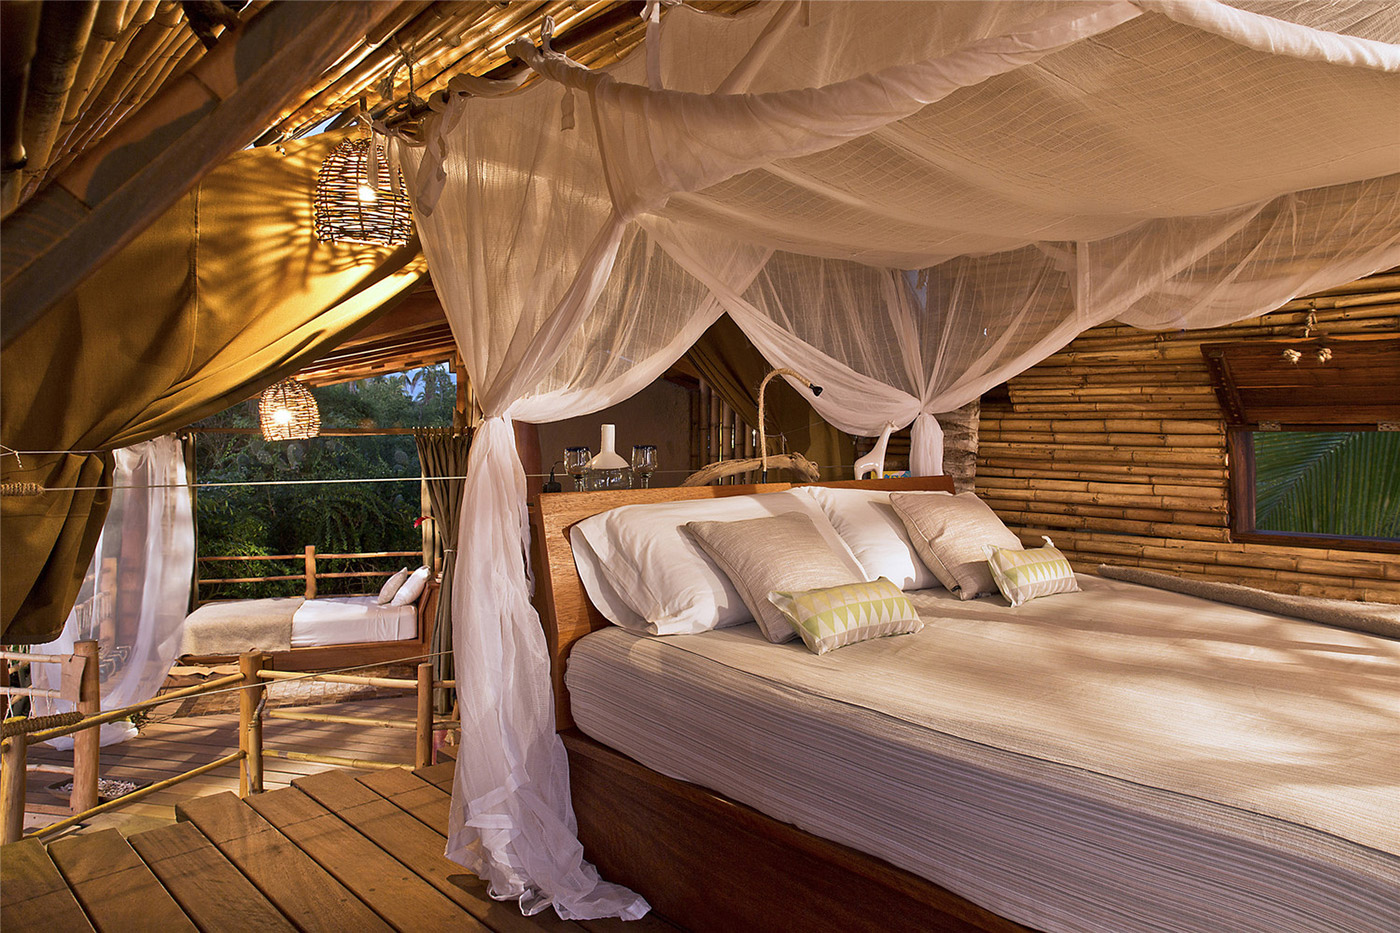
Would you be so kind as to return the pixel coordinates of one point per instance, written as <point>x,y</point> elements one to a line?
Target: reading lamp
<point>762,434</point>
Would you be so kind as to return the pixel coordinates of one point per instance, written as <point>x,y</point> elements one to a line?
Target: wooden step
<point>115,888</point>
<point>33,894</point>
<point>215,894</point>
<point>414,844</point>
<point>404,900</point>
<point>301,889</point>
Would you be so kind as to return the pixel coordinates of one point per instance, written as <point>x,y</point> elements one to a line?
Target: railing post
<point>311,571</point>
<point>423,747</point>
<point>250,776</point>
<point>87,742</point>
<point>12,777</point>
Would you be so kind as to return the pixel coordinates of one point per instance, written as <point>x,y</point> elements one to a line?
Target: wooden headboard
<point>564,609</point>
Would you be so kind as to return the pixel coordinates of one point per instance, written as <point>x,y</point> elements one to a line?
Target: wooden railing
<point>310,574</point>
<point>21,732</point>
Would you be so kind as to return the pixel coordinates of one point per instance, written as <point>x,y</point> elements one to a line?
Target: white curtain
<point>909,203</point>
<point>136,593</point>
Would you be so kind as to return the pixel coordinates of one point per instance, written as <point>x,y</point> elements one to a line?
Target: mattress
<point>1121,759</point>
<point>344,620</point>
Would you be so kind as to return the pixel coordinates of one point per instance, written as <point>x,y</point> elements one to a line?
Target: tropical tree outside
<point>345,516</point>
<point>1332,483</point>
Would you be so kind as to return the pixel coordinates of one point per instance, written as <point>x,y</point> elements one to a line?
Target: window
<point>274,499</point>
<point>1313,433</point>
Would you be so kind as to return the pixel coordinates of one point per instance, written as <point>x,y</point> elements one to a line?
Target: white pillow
<point>658,570</point>
<point>412,587</point>
<point>391,586</point>
<point>867,522</point>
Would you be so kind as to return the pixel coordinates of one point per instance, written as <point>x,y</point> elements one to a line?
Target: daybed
<point>302,634</point>
<point>1116,759</point>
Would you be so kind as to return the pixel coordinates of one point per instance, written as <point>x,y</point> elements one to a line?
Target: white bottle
<point>607,469</point>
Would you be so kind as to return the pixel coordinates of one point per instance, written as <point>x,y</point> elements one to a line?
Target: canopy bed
<point>907,203</point>
<point>1120,758</point>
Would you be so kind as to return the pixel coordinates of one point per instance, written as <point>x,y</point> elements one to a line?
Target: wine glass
<point>643,463</point>
<point>576,462</point>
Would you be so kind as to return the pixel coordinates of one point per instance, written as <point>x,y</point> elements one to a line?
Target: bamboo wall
<point>1115,448</point>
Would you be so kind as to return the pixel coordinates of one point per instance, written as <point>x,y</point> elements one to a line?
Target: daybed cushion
<point>391,587</point>
<point>655,568</point>
<point>1027,573</point>
<point>412,587</point>
<point>780,552</point>
<point>348,620</point>
<point>949,532</point>
<point>867,522</point>
<point>835,616</point>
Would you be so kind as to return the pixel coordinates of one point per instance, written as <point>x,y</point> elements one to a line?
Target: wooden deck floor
<point>164,749</point>
<point>332,852</point>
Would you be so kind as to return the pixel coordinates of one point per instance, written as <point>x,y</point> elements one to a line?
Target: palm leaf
<point>1339,483</point>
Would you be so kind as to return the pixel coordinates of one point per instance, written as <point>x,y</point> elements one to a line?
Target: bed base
<point>708,864</point>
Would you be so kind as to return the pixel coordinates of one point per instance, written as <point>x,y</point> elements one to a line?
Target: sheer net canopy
<point>906,202</point>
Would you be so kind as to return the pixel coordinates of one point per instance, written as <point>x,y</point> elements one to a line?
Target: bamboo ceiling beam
<point>63,35</point>
<point>21,34</point>
<point>50,244</point>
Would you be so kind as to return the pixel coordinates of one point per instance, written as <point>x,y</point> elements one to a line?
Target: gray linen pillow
<point>949,532</point>
<point>786,553</point>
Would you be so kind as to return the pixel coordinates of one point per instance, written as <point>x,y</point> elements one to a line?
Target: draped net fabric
<point>908,203</point>
<point>147,543</point>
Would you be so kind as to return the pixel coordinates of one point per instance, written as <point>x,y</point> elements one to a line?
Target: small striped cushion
<point>841,615</point>
<point>1026,574</point>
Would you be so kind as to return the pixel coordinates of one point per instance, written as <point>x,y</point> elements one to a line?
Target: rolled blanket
<point>1375,618</point>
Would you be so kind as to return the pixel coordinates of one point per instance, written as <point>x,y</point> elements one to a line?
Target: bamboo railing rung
<point>135,795</point>
<point>124,712</point>
<point>358,763</point>
<point>341,679</point>
<point>327,717</point>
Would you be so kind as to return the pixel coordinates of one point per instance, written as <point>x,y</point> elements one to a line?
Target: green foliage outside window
<point>338,518</point>
<point>1332,483</point>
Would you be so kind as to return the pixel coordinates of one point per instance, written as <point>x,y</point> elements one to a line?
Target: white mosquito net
<point>908,203</point>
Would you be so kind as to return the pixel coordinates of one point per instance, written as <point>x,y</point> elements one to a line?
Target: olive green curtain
<point>226,293</point>
<point>734,368</point>
<point>443,453</point>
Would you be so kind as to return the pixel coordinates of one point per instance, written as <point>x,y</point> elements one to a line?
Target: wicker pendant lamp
<point>287,411</point>
<point>355,205</point>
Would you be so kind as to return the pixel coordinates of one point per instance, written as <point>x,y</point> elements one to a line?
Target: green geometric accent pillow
<point>1023,575</point>
<point>842,615</point>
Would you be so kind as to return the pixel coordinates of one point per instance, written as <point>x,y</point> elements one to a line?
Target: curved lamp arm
<point>762,432</point>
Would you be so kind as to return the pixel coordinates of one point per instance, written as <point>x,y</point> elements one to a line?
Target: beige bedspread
<point>1121,758</point>
<point>239,625</point>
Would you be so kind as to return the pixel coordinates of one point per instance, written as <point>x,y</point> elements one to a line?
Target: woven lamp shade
<point>349,209</point>
<point>288,412</point>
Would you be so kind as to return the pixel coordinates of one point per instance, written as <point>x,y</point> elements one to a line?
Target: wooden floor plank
<point>286,876</point>
<point>211,891</point>
<point>33,895</point>
<point>415,796</point>
<point>115,888</point>
<point>439,774</point>
<point>421,849</point>
<point>397,894</point>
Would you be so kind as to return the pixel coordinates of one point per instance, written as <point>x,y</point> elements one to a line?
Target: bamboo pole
<point>328,717</point>
<point>423,732</point>
<point>135,795</point>
<point>125,711</point>
<point>86,743</point>
<point>341,679</point>
<point>250,776</point>
<point>310,571</point>
<point>359,763</point>
<point>12,787</point>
